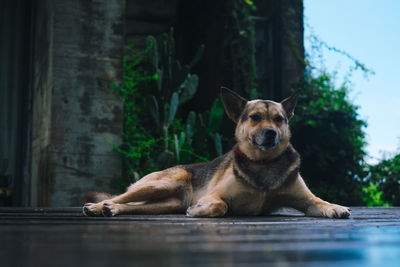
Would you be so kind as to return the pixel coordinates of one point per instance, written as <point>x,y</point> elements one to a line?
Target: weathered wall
<point>76,114</point>
<point>40,182</point>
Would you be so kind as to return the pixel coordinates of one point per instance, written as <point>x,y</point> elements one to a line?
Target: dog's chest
<point>241,199</point>
<point>246,203</point>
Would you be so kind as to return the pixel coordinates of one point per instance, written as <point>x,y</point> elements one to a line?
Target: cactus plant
<point>189,87</point>
<point>190,124</point>
<point>174,86</point>
<point>156,82</point>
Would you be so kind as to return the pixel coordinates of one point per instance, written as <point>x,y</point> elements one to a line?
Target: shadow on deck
<point>64,237</point>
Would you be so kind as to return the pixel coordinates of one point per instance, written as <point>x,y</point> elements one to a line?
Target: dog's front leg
<point>301,198</point>
<point>208,206</point>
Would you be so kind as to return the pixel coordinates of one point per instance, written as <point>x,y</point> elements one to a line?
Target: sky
<point>368,30</point>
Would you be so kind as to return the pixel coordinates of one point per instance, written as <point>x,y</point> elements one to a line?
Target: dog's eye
<point>278,119</point>
<point>255,117</point>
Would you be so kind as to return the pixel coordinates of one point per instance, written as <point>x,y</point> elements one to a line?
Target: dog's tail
<point>95,197</point>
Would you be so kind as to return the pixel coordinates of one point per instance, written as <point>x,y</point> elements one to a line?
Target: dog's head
<point>262,130</point>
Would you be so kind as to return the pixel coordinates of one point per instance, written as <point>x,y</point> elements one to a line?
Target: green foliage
<point>385,176</point>
<point>138,142</point>
<point>156,135</point>
<point>329,136</point>
<point>373,196</point>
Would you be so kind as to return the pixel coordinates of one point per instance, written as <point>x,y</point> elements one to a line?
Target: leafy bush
<point>373,196</point>
<point>329,136</point>
<point>385,176</point>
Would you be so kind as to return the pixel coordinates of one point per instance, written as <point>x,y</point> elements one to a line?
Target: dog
<point>259,175</point>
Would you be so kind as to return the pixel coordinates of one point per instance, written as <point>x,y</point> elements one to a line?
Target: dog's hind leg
<point>165,206</point>
<point>155,186</point>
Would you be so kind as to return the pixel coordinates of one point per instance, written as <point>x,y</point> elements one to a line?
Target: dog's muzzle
<point>267,139</point>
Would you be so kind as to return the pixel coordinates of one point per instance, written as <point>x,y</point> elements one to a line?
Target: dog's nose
<point>270,134</point>
<point>266,139</point>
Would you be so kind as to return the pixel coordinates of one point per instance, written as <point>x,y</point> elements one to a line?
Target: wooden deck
<point>63,237</point>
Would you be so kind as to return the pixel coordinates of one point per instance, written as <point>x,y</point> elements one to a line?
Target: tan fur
<point>96,197</point>
<point>244,130</point>
<point>230,184</point>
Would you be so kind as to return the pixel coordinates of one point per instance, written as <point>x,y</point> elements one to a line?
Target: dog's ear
<point>289,104</point>
<point>233,103</point>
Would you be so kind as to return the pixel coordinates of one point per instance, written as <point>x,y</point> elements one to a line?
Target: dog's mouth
<point>266,140</point>
<point>265,147</point>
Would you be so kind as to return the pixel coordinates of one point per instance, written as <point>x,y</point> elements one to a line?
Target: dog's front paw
<point>192,211</point>
<point>329,210</point>
<point>211,210</point>
<point>110,209</point>
<point>92,209</point>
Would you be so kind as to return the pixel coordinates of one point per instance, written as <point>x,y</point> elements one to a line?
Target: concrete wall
<point>40,182</point>
<point>78,54</point>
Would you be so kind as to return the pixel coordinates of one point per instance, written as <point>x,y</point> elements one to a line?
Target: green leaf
<point>310,122</point>
<point>159,79</point>
<point>217,111</point>
<point>173,107</point>
<point>165,133</point>
<point>154,110</point>
<point>191,119</point>
<point>189,87</point>
<point>177,148</point>
<point>182,139</point>
<point>189,134</point>
<point>190,125</point>
<point>201,120</point>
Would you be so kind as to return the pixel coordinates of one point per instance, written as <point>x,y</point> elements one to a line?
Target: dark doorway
<point>15,32</point>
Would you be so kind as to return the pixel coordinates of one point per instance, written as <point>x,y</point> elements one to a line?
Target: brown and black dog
<point>259,175</point>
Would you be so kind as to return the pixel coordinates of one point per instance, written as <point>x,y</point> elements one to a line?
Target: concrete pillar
<point>78,54</point>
